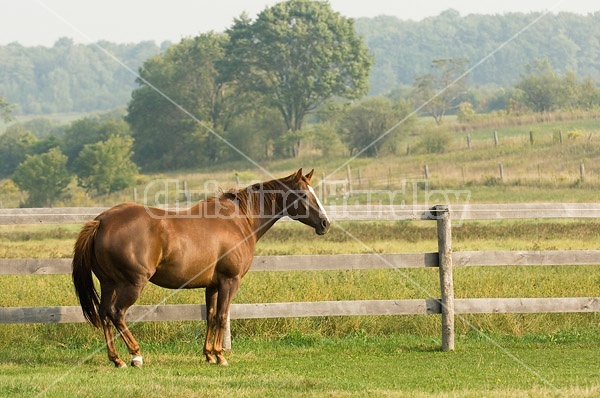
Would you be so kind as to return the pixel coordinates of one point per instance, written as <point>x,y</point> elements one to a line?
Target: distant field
<point>546,171</point>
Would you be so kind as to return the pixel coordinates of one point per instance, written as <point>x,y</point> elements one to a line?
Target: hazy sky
<point>42,22</point>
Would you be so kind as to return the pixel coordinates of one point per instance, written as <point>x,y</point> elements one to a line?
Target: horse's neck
<point>262,225</point>
<point>266,215</point>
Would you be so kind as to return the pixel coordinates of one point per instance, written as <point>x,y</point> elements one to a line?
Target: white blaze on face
<point>312,191</point>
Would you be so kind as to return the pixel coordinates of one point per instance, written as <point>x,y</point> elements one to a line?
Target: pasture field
<point>533,355</point>
<point>301,365</point>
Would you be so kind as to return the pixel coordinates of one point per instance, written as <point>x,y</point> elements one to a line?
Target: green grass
<point>301,365</point>
<point>355,237</point>
<point>497,355</point>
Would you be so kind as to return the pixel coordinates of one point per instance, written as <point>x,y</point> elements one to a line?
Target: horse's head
<point>301,202</point>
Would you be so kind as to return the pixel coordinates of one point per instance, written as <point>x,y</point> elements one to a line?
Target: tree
<point>441,89</point>
<point>297,54</point>
<point>6,109</point>
<point>15,144</point>
<point>541,87</point>
<point>90,130</point>
<point>106,166</point>
<point>375,123</point>
<point>588,94</point>
<point>166,130</point>
<point>44,177</point>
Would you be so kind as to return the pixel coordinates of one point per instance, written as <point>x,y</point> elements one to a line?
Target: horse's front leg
<point>227,289</point>
<point>211,315</point>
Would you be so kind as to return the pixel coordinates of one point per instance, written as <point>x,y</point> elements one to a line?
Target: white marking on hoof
<point>137,361</point>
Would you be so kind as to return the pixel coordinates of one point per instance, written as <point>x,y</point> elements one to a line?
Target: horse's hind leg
<point>227,289</point>
<point>106,306</point>
<point>124,298</point>
<point>211,323</point>
<point>110,343</point>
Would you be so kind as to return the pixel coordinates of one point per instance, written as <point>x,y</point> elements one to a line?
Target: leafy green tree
<point>106,166</point>
<point>542,87</point>
<point>465,112</point>
<point>588,94</point>
<point>177,89</point>
<point>15,145</point>
<point>544,90</point>
<point>44,177</point>
<point>90,130</point>
<point>442,88</point>
<point>6,109</point>
<point>375,124</point>
<point>256,132</point>
<point>297,54</point>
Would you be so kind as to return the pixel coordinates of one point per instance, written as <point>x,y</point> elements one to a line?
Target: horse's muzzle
<point>323,227</point>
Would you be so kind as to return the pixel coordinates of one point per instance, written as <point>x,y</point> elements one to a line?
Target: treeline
<point>71,77</point>
<point>404,49</point>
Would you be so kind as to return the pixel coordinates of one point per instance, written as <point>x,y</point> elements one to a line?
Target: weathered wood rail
<point>444,259</point>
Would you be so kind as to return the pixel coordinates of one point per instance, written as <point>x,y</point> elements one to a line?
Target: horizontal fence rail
<point>348,212</point>
<point>333,262</point>
<point>194,312</point>
<point>447,305</point>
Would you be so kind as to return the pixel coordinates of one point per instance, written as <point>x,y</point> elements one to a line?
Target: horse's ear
<point>298,175</point>
<point>309,175</point>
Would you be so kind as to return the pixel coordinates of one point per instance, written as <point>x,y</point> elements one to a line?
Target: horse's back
<point>171,249</point>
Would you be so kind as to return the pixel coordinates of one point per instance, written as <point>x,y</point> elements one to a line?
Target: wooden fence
<point>444,259</point>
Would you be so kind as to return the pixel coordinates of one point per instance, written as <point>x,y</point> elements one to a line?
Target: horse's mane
<point>250,199</point>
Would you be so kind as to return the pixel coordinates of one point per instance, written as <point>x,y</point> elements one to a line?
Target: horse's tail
<point>83,258</point>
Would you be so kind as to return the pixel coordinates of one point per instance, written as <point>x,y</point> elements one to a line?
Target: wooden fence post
<point>468,141</point>
<point>426,172</point>
<point>501,170</point>
<point>444,232</point>
<point>495,137</point>
<point>349,178</point>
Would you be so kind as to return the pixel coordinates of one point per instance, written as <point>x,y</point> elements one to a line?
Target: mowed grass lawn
<point>299,365</point>
<point>531,355</point>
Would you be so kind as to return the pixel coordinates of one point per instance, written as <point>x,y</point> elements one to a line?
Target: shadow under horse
<point>210,245</point>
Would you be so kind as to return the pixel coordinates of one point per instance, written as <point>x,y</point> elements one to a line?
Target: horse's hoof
<point>120,364</point>
<point>137,362</point>
<point>223,362</point>
<point>210,359</point>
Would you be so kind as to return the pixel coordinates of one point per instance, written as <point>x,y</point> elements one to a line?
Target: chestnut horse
<point>209,245</point>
